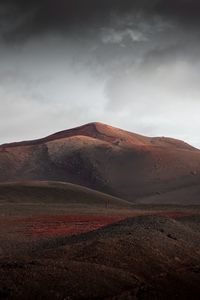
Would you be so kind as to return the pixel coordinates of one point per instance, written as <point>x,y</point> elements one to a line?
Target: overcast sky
<point>131,64</point>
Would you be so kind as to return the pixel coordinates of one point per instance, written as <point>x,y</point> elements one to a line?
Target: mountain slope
<point>104,158</point>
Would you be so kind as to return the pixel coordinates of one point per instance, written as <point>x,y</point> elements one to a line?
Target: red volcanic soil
<point>49,226</point>
<point>62,225</point>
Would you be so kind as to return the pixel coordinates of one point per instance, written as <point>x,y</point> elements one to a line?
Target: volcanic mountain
<point>104,158</point>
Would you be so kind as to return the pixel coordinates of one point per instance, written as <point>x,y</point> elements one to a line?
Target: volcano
<point>107,159</point>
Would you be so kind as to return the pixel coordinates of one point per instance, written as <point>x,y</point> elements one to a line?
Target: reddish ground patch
<point>47,226</point>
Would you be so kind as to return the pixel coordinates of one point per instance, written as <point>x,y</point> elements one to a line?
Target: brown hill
<point>104,158</point>
<point>186,195</point>
<point>59,192</point>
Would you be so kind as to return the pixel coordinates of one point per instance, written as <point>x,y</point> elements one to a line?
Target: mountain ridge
<point>104,132</point>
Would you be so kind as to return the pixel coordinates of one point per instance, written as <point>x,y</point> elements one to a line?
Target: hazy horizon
<point>129,64</point>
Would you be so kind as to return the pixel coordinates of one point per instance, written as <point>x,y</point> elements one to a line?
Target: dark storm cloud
<point>25,18</point>
<point>185,10</point>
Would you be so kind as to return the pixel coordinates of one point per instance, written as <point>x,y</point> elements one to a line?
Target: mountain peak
<point>107,133</point>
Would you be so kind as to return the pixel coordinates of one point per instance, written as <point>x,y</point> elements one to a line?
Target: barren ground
<point>53,251</point>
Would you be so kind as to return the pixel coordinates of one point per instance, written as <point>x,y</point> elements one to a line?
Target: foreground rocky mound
<point>104,158</point>
<point>148,257</point>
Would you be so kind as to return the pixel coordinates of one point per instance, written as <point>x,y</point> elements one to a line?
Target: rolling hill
<point>56,192</point>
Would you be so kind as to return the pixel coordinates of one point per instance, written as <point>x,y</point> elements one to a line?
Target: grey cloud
<point>132,66</point>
